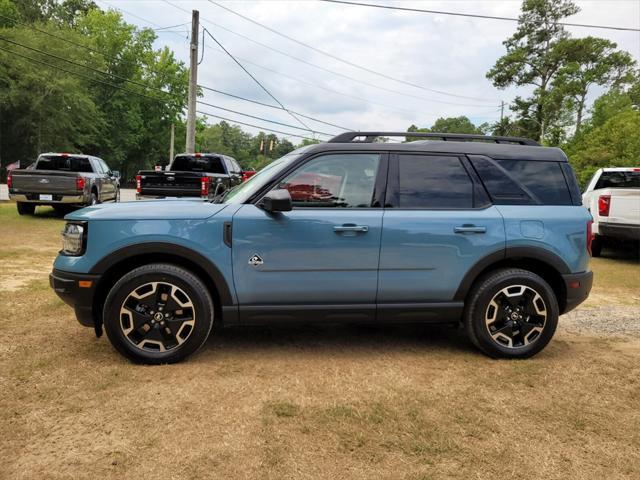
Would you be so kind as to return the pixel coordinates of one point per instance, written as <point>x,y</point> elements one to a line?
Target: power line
<point>238,97</point>
<point>470,15</point>
<point>77,74</point>
<point>254,78</point>
<point>342,75</point>
<point>126,89</point>
<point>342,60</point>
<point>315,85</point>
<point>4,39</point>
<point>15,21</point>
<point>264,119</point>
<point>254,126</point>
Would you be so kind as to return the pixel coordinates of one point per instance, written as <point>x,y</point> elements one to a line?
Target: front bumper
<point>621,231</point>
<point>78,291</point>
<point>578,286</point>
<point>56,199</point>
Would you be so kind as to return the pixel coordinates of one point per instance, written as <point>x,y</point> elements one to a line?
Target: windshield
<point>244,191</point>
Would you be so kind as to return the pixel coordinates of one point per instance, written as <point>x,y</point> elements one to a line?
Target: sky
<point>445,58</point>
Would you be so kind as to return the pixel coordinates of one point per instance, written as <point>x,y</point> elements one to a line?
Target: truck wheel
<point>117,199</point>
<point>596,246</point>
<point>511,313</point>
<point>94,199</point>
<point>25,208</point>
<point>158,313</point>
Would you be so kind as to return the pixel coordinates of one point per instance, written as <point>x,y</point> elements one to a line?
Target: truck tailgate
<point>44,181</point>
<point>170,183</point>
<point>625,206</point>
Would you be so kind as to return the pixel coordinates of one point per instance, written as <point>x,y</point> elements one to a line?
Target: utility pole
<point>171,145</point>
<point>502,132</point>
<point>193,82</point>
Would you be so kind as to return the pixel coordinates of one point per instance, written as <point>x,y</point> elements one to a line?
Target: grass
<point>316,402</point>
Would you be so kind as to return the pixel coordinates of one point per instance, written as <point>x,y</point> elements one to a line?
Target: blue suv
<point>485,232</point>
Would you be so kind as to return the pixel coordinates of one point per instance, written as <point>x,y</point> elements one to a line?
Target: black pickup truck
<point>204,175</point>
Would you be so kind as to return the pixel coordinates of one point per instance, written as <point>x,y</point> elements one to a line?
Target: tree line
<point>76,78</point>
<point>561,72</point>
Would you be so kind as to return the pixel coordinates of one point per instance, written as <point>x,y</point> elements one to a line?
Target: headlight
<point>73,239</point>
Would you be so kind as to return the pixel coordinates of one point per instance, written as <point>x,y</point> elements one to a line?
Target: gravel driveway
<point>615,320</point>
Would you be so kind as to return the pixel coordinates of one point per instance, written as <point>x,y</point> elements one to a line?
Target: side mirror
<point>277,201</point>
<point>115,174</point>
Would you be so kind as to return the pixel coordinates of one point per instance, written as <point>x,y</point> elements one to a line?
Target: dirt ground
<point>316,402</point>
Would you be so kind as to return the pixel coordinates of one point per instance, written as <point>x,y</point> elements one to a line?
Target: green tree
<point>590,61</point>
<point>459,124</point>
<point>533,58</point>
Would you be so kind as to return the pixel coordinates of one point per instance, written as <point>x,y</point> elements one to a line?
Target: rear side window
<point>517,182</point>
<point>618,180</point>
<point>191,163</point>
<point>426,181</point>
<point>66,163</point>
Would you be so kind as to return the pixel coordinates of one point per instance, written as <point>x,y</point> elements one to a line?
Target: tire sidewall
<point>483,296</point>
<point>189,283</point>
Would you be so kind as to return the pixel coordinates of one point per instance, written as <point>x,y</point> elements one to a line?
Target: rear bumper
<point>56,198</point>
<point>578,286</point>
<point>67,287</point>
<point>622,231</point>
<point>145,196</point>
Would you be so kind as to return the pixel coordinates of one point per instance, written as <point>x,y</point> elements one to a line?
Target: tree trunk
<point>580,112</point>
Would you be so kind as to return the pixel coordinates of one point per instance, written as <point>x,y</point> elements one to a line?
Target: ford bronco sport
<point>485,232</point>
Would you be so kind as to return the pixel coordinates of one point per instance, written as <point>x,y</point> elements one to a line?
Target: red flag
<point>13,166</point>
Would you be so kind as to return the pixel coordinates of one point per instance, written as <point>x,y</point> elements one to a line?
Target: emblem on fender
<point>255,260</point>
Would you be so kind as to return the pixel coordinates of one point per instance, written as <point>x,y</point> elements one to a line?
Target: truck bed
<point>173,184</point>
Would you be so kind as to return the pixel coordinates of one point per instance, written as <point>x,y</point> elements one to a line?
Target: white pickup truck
<point>613,198</point>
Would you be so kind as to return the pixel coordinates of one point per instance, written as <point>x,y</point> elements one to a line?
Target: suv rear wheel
<point>158,313</point>
<point>511,313</point>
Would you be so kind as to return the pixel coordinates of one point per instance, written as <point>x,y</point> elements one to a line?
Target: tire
<point>142,330</point>
<point>117,199</point>
<point>596,246</point>
<point>94,199</point>
<point>61,210</point>
<point>511,313</point>
<point>25,208</point>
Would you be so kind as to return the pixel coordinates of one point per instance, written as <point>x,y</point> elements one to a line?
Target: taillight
<point>247,174</point>
<point>80,183</point>
<point>589,235</point>
<point>9,180</point>
<point>138,183</point>
<point>604,203</point>
<point>204,186</point>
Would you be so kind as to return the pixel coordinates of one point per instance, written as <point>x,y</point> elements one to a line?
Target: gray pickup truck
<point>64,181</point>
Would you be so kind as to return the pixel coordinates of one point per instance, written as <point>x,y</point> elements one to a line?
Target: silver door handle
<point>470,229</point>
<point>351,228</point>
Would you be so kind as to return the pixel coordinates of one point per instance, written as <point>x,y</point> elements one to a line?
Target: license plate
<point>46,197</point>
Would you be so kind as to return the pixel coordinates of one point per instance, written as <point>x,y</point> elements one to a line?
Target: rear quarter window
<point>517,182</point>
<point>433,182</point>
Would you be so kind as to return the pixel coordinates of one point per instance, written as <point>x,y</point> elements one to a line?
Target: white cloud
<point>444,53</point>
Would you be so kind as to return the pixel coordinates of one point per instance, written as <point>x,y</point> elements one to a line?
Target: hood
<point>194,209</point>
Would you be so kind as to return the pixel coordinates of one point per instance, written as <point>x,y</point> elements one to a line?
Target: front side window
<point>434,182</point>
<point>342,180</point>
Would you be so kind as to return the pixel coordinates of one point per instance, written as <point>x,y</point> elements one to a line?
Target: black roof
<point>512,148</point>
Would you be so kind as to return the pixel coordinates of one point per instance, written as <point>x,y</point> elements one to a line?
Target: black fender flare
<point>159,248</point>
<point>526,253</point>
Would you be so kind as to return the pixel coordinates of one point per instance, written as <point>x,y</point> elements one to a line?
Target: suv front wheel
<point>511,313</point>
<point>158,313</point>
